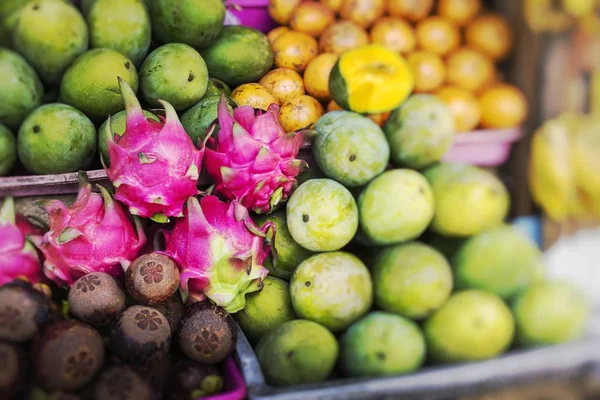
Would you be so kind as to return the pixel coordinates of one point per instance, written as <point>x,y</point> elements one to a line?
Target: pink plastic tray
<point>485,148</point>
<point>235,387</point>
<point>251,13</point>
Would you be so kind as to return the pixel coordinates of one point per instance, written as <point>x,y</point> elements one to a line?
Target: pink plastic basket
<point>251,13</point>
<point>235,387</point>
<point>485,148</point>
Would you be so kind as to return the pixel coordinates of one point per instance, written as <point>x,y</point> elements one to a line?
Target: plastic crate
<point>571,359</point>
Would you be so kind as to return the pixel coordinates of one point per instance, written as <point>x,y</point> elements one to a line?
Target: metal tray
<point>567,360</point>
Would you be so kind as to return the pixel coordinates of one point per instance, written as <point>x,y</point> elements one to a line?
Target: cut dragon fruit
<point>252,159</point>
<point>220,252</point>
<point>18,258</point>
<point>154,166</point>
<point>95,234</point>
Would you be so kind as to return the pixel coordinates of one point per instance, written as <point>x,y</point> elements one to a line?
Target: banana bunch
<point>564,169</point>
<point>544,15</point>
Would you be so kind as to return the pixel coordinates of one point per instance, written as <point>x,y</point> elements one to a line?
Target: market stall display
<point>299,183</point>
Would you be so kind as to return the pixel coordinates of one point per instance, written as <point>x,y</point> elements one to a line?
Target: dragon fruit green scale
<point>94,234</point>
<point>252,159</point>
<point>18,258</point>
<point>154,166</point>
<point>220,252</point>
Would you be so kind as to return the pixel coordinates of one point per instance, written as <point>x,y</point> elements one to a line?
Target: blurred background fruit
<point>342,36</point>
<point>395,34</point>
<point>490,34</point>
<point>502,106</point>
<point>312,18</point>
<point>470,69</point>
<point>411,10</point>
<point>437,35</point>
<point>363,12</point>
<point>463,105</point>
<point>428,70</point>
<point>461,12</point>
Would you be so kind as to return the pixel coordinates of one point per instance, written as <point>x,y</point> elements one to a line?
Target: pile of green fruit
<point>60,65</point>
<point>384,270</point>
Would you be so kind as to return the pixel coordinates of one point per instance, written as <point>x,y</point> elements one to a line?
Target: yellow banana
<point>579,8</point>
<point>550,174</point>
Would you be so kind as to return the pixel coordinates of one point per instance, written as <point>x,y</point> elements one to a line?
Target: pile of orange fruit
<point>452,46</point>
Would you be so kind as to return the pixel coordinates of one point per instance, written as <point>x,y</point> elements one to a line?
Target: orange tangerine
<point>461,12</point>
<point>276,32</point>
<point>395,34</point>
<point>254,95</point>
<point>463,105</point>
<point>490,34</point>
<point>294,50</point>
<point>283,84</point>
<point>343,36</point>
<point>300,112</point>
<point>281,10</point>
<point>412,10</point>
<point>363,12</point>
<point>502,106</point>
<point>470,69</point>
<point>428,69</point>
<point>316,76</point>
<point>438,35</point>
<point>312,18</point>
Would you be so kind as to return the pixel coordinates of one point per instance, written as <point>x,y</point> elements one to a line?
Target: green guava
<point>217,87</point>
<point>473,325</point>
<point>468,200</point>
<point>91,84</point>
<point>121,25</point>
<point>350,148</point>
<point>312,172</point>
<point>201,116</point>
<point>501,260</point>
<point>21,89</point>
<point>395,207</point>
<point>420,131</point>
<point>333,289</point>
<point>550,313</point>
<point>289,253</point>
<point>56,139</point>
<point>446,245</point>
<point>193,22</point>
<point>297,352</point>
<point>411,279</point>
<point>322,215</point>
<point>50,34</point>
<point>175,73</point>
<point>8,150</point>
<point>118,123</point>
<point>382,344</point>
<point>266,309</point>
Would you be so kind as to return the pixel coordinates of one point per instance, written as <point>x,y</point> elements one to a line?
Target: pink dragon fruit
<point>220,252</point>
<point>154,166</point>
<point>252,159</point>
<point>18,258</point>
<point>94,234</point>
